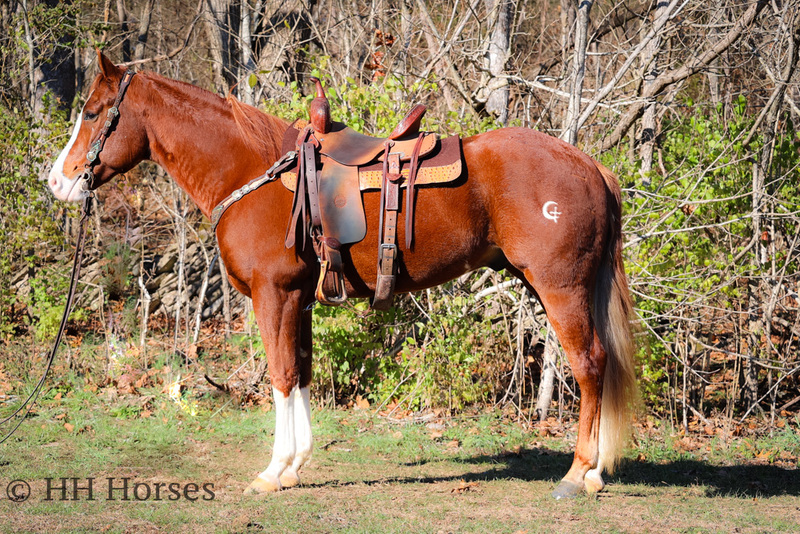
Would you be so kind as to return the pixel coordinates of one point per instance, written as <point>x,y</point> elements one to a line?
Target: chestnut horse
<point>526,202</point>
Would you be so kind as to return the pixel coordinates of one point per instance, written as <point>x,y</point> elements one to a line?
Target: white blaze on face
<point>64,188</point>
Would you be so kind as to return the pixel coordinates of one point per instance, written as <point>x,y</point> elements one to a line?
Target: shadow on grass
<point>742,480</point>
<point>739,480</point>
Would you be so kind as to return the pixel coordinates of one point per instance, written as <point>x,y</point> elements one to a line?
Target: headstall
<point>95,148</point>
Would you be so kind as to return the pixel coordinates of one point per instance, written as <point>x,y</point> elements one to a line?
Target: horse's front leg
<point>302,407</point>
<point>286,332</point>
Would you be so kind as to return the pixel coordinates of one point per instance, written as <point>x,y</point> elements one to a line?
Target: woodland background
<point>693,104</point>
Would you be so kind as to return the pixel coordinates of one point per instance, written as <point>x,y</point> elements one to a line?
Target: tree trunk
<point>180,210</point>
<point>122,15</point>
<point>217,16</point>
<point>226,298</point>
<point>440,68</point>
<point>544,396</point>
<point>280,35</point>
<point>571,124</point>
<point>567,16</point>
<point>714,78</point>
<point>650,56</point>
<point>144,28</point>
<point>246,66</point>
<point>53,74</point>
<point>750,365</point>
<point>497,54</point>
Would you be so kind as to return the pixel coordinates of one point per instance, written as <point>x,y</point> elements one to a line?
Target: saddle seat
<point>440,159</point>
<point>349,147</point>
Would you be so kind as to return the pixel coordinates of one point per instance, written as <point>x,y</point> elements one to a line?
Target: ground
<point>373,473</point>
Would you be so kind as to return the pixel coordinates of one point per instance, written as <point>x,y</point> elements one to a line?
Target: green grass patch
<point>481,473</point>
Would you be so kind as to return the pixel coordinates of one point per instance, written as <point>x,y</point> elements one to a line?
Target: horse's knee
<point>284,383</point>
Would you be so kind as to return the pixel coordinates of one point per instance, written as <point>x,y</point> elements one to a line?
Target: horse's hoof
<point>593,482</point>
<point>567,490</point>
<point>290,478</point>
<point>262,485</point>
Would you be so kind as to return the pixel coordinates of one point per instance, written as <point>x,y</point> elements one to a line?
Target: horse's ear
<point>107,67</point>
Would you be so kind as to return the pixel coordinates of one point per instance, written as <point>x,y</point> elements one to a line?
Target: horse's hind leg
<point>569,311</point>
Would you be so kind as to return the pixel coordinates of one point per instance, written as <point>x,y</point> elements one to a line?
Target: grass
<point>471,474</point>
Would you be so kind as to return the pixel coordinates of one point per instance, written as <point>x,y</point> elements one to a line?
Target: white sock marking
<point>302,427</point>
<point>283,451</point>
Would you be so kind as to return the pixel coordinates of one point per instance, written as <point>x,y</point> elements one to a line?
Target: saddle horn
<point>319,111</point>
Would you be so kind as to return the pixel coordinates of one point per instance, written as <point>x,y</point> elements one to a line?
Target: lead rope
<point>88,178</point>
<point>73,282</point>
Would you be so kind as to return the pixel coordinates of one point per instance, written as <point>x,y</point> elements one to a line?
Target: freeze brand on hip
<point>124,489</point>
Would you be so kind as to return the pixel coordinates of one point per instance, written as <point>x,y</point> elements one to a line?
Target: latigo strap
<point>390,205</point>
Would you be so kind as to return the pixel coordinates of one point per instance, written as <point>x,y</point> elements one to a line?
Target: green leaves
<point>374,108</point>
<point>692,223</point>
<point>28,222</point>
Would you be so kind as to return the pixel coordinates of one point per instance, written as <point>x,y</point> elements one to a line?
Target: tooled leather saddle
<point>327,165</point>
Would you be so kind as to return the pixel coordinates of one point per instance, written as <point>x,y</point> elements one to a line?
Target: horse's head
<point>125,146</point>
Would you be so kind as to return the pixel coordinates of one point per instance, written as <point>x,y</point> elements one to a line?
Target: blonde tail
<point>613,311</point>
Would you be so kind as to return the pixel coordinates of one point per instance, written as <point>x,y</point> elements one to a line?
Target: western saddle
<point>334,164</point>
<point>327,165</point>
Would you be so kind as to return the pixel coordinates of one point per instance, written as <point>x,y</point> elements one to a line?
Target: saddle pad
<point>442,165</point>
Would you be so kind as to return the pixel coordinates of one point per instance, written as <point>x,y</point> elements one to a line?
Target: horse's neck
<point>194,136</point>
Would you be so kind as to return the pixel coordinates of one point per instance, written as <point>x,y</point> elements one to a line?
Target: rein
<point>88,185</point>
<point>73,282</point>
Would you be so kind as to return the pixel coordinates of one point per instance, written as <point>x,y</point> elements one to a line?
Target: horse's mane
<point>263,133</point>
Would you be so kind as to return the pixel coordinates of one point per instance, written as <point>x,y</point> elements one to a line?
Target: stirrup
<point>330,286</point>
<point>338,284</point>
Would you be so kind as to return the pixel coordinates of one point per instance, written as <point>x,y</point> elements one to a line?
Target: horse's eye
<point>89,116</point>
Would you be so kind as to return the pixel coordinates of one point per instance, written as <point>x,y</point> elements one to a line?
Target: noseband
<point>87,176</point>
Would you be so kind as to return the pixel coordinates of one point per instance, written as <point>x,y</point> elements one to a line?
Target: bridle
<point>87,176</point>
<point>88,184</point>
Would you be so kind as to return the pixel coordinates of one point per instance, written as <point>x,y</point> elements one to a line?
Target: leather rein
<point>88,184</point>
